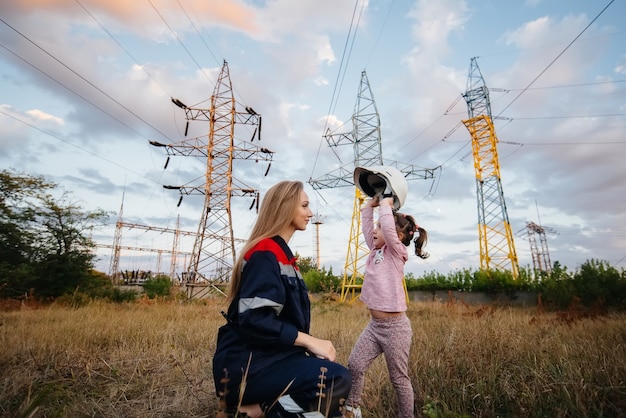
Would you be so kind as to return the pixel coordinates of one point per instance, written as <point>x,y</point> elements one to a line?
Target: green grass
<point>153,359</point>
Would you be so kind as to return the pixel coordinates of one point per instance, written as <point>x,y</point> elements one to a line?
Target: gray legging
<point>391,336</point>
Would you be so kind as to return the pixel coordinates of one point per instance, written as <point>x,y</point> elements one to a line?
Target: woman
<point>266,360</point>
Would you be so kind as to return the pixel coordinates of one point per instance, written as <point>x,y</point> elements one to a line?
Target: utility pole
<point>317,221</point>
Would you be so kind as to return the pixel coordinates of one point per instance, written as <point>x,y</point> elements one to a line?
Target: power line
<point>342,67</point>
<point>595,231</point>
<point>517,51</point>
<point>88,152</point>
<point>522,91</point>
<point>543,143</point>
<point>198,32</point>
<point>567,85</point>
<point>195,28</point>
<point>380,32</point>
<point>606,115</point>
<point>456,101</point>
<point>89,102</point>
<point>71,90</point>
<point>556,58</point>
<point>81,77</point>
<point>180,41</point>
<point>122,47</point>
<point>431,125</point>
<point>76,146</point>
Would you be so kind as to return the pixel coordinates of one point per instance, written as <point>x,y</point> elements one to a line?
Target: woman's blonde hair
<point>276,213</point>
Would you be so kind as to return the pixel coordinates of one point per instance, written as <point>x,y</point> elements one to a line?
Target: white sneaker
<point>352,412</point>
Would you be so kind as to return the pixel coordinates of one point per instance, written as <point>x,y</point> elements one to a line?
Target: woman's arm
<point>323,349</point>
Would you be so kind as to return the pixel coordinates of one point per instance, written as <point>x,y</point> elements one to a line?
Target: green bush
<point>429,282</point>
<point>321,281</point>
<point>598,282</point>
<point>594,283</point>
<point>500,281</point>
<point>119,295</point>
<point>99,286</point>
<point>160,286</point>
<point>557,289</point>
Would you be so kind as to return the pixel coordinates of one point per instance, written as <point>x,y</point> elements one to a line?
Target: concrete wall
<point>475,298</point>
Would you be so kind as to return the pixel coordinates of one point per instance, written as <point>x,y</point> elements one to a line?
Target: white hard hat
<point>382,181</point>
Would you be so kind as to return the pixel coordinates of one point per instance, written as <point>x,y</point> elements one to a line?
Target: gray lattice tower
<point>134,249</point>
<point>365,138</point>
<point>117,242</point>
<point>539,251</point>
<point>214,252</point>
<point>497,249</point>
<point>175,251</point>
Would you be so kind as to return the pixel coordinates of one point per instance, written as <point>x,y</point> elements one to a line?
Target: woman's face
<point>302,214</point>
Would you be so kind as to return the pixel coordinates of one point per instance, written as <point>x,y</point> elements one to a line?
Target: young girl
<point>389,330</point>
<point>266,342</point>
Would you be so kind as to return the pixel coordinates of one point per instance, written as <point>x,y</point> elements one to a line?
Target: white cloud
<point>39,115</point>
<point>285,58</point>
<point>621,67</point>
<point>434,22</point>
<point>325,51</point>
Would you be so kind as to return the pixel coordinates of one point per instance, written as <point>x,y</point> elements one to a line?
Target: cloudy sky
<point>86,84</point>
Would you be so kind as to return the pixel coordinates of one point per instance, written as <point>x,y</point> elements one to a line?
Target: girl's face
<point>302,214</point>
<point>379,239</point>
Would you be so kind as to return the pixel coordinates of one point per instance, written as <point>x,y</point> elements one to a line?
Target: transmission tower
<point>213,252</point>
<point>539,252</point>
<point>117,242</point>
<point>497,249</point>
<point>365,138</point>
<point>117,246</point>
<point>159,252</point>
<point>175,249</point>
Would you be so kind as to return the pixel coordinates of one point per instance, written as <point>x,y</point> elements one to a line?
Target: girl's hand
<point>373,202</point>
<point>388,201</point>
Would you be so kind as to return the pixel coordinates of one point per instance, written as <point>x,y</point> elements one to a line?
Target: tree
<point>44,241</point>
<point>305,264</point>
<point>17,194</point>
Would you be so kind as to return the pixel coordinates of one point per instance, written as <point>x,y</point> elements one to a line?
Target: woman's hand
<point>323,349</point>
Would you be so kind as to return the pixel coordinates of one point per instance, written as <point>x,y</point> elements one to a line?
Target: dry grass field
<point>153,359</point>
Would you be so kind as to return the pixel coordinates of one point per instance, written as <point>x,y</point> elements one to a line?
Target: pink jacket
<point>383,288</point>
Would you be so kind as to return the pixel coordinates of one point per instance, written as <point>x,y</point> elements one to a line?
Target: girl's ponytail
<point>420,242</point>
<point>411,231</point>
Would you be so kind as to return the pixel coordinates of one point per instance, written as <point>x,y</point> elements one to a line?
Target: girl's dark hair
<point>408,227</point>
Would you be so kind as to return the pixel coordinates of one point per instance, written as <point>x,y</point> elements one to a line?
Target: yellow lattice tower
<point>357,253</point>
<point>366,140</point>
<point>497,249</point>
